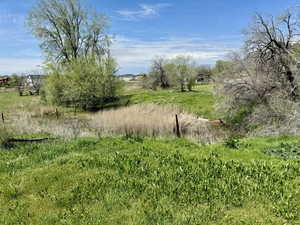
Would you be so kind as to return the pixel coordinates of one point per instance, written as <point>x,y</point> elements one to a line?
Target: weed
<point>233,142</point>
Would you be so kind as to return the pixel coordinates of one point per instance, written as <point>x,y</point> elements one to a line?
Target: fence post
<point>56,113</point>
<point>2,117</point>
<point>177,127</point>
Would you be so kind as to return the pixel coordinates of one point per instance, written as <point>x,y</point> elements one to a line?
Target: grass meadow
<point>146,181</point>
<point>134,177</point>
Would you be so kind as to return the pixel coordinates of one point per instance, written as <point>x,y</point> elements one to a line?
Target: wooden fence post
<point>177,127</point>
<point>56,113</point>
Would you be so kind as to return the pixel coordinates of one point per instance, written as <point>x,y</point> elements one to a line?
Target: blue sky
<point>206,30</point>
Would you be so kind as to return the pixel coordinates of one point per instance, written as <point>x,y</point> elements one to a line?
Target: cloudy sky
<point>206,30</point>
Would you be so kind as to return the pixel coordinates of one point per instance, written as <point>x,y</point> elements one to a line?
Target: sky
<point>143,30</point>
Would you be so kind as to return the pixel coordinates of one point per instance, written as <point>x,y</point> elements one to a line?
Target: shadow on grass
<point>121,101</point>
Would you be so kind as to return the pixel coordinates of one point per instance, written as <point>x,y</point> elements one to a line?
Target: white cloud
<point>145,10</point>
<point>135,55</point>
<point>19,65</point>
<point>11,18</point>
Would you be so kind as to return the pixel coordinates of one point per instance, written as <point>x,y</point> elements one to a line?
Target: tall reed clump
<point>45,121</point>
<point>154,121</point>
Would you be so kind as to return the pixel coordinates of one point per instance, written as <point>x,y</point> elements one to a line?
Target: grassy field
<point>139,180</point>
<point>200,101</point>
<point>145,181</point>
<point>10,101</point>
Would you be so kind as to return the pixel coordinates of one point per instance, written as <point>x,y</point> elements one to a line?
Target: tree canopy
<point>68,29</point>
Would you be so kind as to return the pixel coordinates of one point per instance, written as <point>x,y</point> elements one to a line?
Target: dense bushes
<point>86,83</point>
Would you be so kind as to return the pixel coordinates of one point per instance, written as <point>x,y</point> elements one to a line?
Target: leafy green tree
<point>221,66</point>
<point>85,83</point>
<point>176,72</point>
<point>68,30</point>
<point>184,72</point>
<point>82,72</point>
<point>158,74</point>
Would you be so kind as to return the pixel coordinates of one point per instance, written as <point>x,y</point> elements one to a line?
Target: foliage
<point>233,142</point>
<point>85,83</point>
<point>260,87</point>
<point>285,151</point>
<point>179,72</point>
<point>220,67</point>
<point>119,181</point>
<point>68,30</point>
<point>157,75</point>
<point>184,72</point>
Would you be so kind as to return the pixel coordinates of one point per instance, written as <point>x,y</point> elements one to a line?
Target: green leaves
<point>85,83</point>
<point>285,151</point>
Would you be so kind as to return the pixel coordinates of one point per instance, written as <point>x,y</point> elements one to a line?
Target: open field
<point>145,181</point>
<point>131,177</point>
<point>199,101</point>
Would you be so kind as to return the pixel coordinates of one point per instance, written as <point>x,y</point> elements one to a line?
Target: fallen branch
<point>28,140</point>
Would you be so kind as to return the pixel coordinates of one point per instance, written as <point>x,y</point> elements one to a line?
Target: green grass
<point>145,181</point>
<point>200,101</point>
<point>11,100</point>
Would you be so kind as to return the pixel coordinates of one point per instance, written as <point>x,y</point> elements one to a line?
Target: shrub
<point>85,83</point>
<point>233,142</point>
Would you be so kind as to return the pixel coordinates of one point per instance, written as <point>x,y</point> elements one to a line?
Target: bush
<point>86,83</point>
<point>233,142</point>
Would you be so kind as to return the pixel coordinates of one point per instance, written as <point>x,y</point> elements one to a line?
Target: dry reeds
<point>44,121</point>
<point>140,120</point>
<point>155,121</point>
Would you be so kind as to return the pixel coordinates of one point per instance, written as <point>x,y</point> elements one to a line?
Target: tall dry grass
<point>143,120</point>
<point>43,120</point>
<point>155,121</point>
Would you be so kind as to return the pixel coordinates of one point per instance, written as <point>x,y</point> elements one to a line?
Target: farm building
<point>4,80</point>
<point>130,77</point>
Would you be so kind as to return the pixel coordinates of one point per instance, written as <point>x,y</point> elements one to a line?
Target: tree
<point>176,72</point>
<point>270,41</point>
<point>68,30</point>
<point>85,83</point>
<point>81,71</point>
<point>261,84</point>
<point>184,73</point>
<point>158,75</point>
<point>220,66</point>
